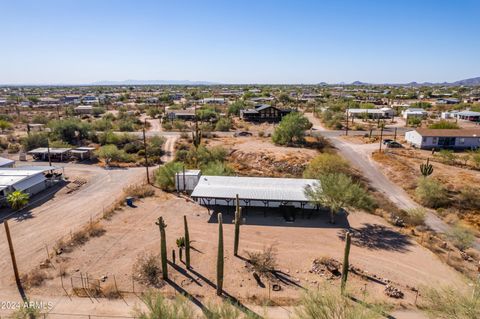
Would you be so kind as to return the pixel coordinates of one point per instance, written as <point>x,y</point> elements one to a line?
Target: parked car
<point>394,144</point>
<point>386,141</point>
<point>243,133</point>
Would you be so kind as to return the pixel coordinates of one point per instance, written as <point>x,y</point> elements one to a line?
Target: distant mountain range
<point>154,82</point>
<point>466,82</point>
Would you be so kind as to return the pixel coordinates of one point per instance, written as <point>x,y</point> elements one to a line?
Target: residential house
<point>383,113</point>
<point>414,112</point>
<point>444,138</point>
<point>264,113</point>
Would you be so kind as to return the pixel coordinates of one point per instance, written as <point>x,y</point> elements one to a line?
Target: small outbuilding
<point>57,154</point>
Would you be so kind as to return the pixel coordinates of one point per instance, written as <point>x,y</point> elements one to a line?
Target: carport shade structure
<point>253,191</point>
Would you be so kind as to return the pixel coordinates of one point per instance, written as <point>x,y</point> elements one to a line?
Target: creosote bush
<point>461,237</point>
<point>147,269</point>
<point>263,262</point>
<point>415,216</point>
<point>139,191</point>
<point>431,193</point>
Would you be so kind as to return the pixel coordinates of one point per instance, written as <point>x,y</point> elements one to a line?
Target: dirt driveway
<point>39,227</point>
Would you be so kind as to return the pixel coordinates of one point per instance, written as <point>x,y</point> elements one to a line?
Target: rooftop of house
<point>448,132</point>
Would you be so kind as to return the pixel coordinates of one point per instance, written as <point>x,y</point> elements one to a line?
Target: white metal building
<point>444,138</point>
<point>28,179</point>
<point>252,191</point>
<point>6,162</point>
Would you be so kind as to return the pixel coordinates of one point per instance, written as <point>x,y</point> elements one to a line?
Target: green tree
<point>326,163</point>
<point>291,129</point>
<point>224,124</point>
<point>235,107</point>
<point>165,175</point>
<point>110,153</point>
<point>17,199</point>
<point>336,191</point>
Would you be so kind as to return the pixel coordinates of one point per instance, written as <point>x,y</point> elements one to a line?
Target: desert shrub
<point>447,303</point>
<point>461,237</point>
<point>469,197</point>
<point>431,193</point>
<point>415,216</point>
<point>443,124</point>
<point>291,129</point>
<point>446,156</point>
<point>4,125</point>
<point>414,121</point>
<point>326,163</point>
<point>217,169</point>
<point>165,175</point>
<point>34,140</point>
<point>263,262</point>
<point>40,119</point>
<point>155,145</point>
<point>179,125</point>
<point>147,269</point>
<point>235,107</point>
<point>139,190</point>
<point>261,133</point>
<point>111,292</point>
<point>103,124</point>
<point>126,125</point>
<point>13,148</point>
<point>70,130</point>
<point>200,156</point>
<point>224,124</point>
<point>30,312</point>
<point>95,230</point>
<point>79,238</point>
<point>327,304</point>
<point>110,153</point>
<point>35,278</point>
<point>159,307</point>
<point>167,126</point>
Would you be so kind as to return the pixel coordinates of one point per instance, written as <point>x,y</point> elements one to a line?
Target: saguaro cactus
<point>163,247</point>
<point>238,217</point>
<point>345,265</point>
<point>426,168</point>
<point>187,242</point>
<point>220,261</point>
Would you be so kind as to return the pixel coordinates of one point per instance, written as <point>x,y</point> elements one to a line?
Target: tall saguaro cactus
<point>426,168</point>
<point>220,261</point>
<point>187,242</point>
<point>163,247</point>
<point>238,217</point>
<point>346,264</point>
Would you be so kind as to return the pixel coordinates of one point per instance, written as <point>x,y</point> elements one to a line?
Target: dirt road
<point>360,156</point>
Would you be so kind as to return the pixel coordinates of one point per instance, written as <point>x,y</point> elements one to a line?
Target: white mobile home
<point>444,138</point>
<point>28,179</point>
<point>414,112</point>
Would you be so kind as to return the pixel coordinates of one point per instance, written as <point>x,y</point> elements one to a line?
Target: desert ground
<point>377,249</point>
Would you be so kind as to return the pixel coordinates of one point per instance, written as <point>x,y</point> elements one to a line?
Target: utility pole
<point>346,127</point>
<point>395,136</point>
<point>145,149</point>
<point>12,255</point>
<point>381,138</point>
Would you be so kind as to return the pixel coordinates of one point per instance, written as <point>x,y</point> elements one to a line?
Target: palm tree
<point>17,199</point>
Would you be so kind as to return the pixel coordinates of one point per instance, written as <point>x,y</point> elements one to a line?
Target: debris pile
<point>393,292</point>
<point>327,267</point>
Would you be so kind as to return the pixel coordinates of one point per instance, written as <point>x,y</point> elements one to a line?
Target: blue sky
<point>228,41</point>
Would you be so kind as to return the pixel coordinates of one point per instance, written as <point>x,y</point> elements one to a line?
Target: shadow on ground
<point>274,217</point>
<point>376,236</point>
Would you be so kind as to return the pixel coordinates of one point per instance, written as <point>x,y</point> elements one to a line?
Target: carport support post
<point>220,261</point>
<point>12,255</point>
<point>395,135</point>
<point>48,151</point>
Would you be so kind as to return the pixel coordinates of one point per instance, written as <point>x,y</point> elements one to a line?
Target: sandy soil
<point>255,156</point>
<point>377,248</point>
<point>40,226</point>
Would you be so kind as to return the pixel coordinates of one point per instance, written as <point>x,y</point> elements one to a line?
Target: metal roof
<point>448,132</point>
<point>468,113</point>
<point>43,150</point>
<point>19,175</point>
<point>253,188</point>
<point>6,161</point>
